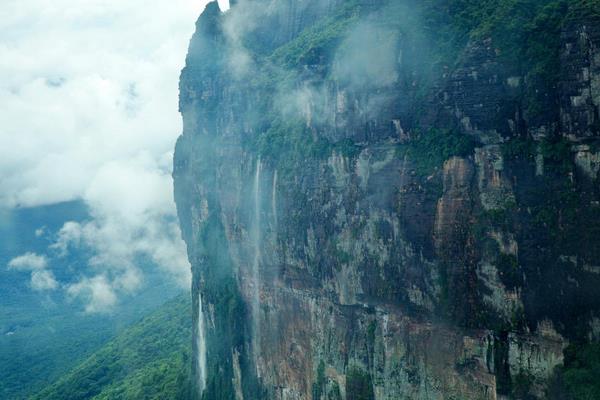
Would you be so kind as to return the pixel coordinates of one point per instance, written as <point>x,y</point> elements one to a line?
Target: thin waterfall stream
<point>201,346</point>
<point>257,256</point>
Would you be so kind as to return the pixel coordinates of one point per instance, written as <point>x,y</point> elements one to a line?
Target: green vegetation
<point>525,33</point>
<point>43,336</point>
<point>522,384</point>
<point>231,329</point>
<point>164,379</point>
<point>556,152</point>
<point>519,149</point>
<point>318,43</point>
<point>501,366</point>
<point>149,360</point>
<point>561,216</point>
<point>509,271</point>
<point>288,143</point>
<point>320,381</point>
<point>39,352</point>
<point>557,155</point>
<point>290,140</point>
<point>371,331</point>
<point>428,150</point>
<point>581,371</point>
<point>359,385</point>
<point>584,8</point>
<point>229,335</point>
<point>334,392</point>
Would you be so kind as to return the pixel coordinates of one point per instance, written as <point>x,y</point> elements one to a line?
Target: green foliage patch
<point>581,371</point>
<point>320,381</point>
<point>429,150</point>
<point>359,385</point>
<point>317,44</point>
<point>149,360</point>
<point>509,271</point>
<point>524,33</point>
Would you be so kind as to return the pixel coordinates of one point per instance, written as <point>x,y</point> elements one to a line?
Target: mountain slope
<point>149,360</point>
<point>44,334</point>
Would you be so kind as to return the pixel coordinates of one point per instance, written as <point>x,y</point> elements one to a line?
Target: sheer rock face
<point>580,83</point>
<point>354,270</point>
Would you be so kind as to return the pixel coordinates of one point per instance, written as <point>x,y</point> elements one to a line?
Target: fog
<point>89,99</point>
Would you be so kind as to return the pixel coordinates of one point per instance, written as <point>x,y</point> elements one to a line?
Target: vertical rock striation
<point>372,212</point>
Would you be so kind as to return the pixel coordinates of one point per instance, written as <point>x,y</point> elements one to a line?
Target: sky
<point>88,111</point>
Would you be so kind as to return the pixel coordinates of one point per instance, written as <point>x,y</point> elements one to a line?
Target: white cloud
<point>43,280</point>
<point>83,85</point>
<point>28,262</point>
<point>89,99</point>
<point>69,235</point>
<point>224,5</point>
<point>133,217</point>
<point>97,293</point>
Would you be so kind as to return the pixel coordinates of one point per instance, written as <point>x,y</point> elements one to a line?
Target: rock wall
<point>363,227</point>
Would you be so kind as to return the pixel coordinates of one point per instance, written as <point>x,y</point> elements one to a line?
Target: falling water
<point>255,265</point>
<point>201,346</point>
<point>274,199</point>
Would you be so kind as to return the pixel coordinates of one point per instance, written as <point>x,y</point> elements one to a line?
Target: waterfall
<point>201,348</point>
<point>274,200</point>
<point>256,264</point>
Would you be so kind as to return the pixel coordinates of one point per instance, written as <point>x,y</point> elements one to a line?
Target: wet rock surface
<point>343,254</point>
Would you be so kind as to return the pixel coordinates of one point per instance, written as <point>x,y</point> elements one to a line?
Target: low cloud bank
<point>41,278</point>
<point>89,97</point>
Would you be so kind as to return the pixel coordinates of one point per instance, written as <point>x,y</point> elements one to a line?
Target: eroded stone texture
<point>359,265</point>
<point>580,80</point>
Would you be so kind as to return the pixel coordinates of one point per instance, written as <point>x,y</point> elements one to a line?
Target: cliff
<point>389,200</point>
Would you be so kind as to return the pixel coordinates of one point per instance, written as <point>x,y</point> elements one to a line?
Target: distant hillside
<point>149,360</point>
<point>43,335</point>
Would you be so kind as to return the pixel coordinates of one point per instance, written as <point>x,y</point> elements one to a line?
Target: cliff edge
<point>391,199</point>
